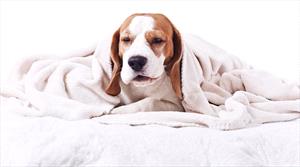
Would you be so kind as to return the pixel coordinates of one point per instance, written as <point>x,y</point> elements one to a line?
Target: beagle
<point>145,53</point>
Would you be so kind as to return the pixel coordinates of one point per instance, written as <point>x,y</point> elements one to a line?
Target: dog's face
<point>143,48</point>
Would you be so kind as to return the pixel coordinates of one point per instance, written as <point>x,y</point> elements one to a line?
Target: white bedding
<point>49,141</point>
<point>218,89</point>
<point>109,140</point>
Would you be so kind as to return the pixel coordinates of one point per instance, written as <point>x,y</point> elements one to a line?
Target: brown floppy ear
<point>174,67</point>
<point>113,87</point>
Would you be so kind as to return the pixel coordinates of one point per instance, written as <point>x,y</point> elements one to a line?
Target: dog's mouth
<point>141,80</point>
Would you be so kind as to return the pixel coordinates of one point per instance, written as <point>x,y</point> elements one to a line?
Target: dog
<point>145,52</point>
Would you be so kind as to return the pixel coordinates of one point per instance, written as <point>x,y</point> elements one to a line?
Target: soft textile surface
<point>219,90</point>
<point>219,84</point>
<point>49,141</point>
<point>71,88</point>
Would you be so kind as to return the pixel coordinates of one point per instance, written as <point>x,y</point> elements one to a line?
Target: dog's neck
<point>160,89</point>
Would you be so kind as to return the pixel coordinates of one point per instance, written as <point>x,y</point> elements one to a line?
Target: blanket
<point>219,90</point>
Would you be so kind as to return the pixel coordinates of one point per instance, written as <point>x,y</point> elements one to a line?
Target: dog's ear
<point>174,66</point>
<point>113,87</point>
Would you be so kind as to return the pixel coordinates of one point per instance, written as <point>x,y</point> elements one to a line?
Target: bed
<point>50,141</point>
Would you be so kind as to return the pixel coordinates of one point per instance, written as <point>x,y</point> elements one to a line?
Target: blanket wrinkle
<point>219,90</point>
<point>239,85</point>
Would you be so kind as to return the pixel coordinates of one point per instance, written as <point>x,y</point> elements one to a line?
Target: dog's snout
<point>137,62</point>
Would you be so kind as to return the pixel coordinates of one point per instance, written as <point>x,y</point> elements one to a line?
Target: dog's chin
<point>142,81</point>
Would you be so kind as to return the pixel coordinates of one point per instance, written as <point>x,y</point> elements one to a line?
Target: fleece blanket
<point>219,90</point>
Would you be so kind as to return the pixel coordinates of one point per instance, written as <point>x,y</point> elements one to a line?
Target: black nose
<point>137,62</point>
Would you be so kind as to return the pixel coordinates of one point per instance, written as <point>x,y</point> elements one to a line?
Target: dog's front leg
<point>147,104</point>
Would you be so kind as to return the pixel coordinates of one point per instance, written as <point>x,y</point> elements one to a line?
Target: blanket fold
<point>219,90</point>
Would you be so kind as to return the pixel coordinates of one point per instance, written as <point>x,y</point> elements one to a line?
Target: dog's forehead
<point>140,23</point>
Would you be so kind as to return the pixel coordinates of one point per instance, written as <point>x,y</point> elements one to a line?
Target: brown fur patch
<point>113,87</point>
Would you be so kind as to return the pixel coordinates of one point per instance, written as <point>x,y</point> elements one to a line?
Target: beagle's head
<point>143,48</point>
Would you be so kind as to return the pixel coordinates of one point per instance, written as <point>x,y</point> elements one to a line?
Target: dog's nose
<point>137,62</point>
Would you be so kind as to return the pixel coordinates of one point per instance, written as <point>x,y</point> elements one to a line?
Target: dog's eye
<point>126,39</point>
<point>157,41</point>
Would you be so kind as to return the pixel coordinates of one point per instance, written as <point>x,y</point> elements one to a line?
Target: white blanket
<point>49,141</point>
<point>219,91</point>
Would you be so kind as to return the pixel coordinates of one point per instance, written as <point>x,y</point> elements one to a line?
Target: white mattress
<point>49,141</point>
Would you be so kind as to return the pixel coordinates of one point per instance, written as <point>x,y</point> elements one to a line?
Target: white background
<point>266,34</point>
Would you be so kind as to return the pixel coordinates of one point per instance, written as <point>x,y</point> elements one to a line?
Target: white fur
<point>154,67</point>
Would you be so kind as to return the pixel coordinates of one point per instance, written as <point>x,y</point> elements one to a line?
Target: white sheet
<point>49,141</point>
